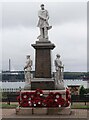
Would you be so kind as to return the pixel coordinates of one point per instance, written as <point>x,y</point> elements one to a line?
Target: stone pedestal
<point>24,111</point>
<point>43,78</point>
<point>42,83</point>
<point>40,111</point>
<point>45,110</point>
<point>43,58</point>
<point>59,111</point>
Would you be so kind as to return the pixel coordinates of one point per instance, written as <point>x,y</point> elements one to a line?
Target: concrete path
<point>8,114</point>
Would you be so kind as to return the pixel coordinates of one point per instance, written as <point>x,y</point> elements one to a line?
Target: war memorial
<point>44,94</point>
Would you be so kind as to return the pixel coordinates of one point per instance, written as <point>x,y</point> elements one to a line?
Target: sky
<point>68,33</point>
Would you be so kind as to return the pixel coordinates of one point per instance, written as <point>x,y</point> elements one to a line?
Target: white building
<point>14,86</point>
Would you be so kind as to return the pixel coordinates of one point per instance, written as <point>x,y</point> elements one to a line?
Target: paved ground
<point>75,113</point>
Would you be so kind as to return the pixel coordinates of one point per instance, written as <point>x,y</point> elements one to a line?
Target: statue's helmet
<point>58,55</point>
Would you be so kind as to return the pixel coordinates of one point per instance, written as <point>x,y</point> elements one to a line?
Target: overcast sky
<point>69,33</point>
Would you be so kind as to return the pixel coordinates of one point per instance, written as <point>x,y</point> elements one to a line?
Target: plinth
<point>43,83</point>
<point>43,58</point>
<point>44,110</point>
<point>43,65</point>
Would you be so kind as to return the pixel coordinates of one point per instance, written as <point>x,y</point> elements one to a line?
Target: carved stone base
<point>24,111</point>
<point>59,111</point>
<point>43,111</point>
<point>42,83</point>
<point>40,111</point>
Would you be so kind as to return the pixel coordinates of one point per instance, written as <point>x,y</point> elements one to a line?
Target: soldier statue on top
<point>43,23</point>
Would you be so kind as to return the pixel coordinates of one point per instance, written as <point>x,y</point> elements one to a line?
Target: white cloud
<point>68,33</point>
<point>71,43</point>
<point>25,14</point>
<point>0,37</point>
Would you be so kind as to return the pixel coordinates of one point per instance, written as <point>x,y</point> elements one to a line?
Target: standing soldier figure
<point>59,68</point>
<point>43,23</point>
<point>27,70</point>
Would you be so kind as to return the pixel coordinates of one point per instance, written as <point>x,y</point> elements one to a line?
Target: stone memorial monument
<point>43,78</point>
<point>44,94</point>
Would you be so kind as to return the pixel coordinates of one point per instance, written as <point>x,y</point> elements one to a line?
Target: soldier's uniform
<point>43,23</point>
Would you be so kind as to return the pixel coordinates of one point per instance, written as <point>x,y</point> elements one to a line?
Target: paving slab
<point>76,114</point>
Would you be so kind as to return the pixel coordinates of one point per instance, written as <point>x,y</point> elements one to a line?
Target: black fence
<point>79,98</point>
<point>12,97</point>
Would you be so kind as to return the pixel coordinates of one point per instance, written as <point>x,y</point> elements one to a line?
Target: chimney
<point>9,64</point>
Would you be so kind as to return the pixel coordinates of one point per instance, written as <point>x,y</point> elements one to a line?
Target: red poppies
<point>38,99</point>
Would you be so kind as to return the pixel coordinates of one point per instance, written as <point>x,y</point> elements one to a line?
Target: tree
<point>87,90</point>
<point>82,90</point>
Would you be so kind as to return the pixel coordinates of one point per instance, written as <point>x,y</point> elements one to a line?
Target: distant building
<point>10,81</point>
<point>13,76</point>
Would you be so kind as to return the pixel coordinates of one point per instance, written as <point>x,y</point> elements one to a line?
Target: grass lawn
<point>80,106</point>
<point>5,105</point>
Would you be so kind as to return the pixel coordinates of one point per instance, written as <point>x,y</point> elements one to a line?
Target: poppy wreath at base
<point>57,95</point>
<point>24,103</point>
<point>67,93</point>
<point>37,102</point>
<point>47,102</point>
<point>60,101</point>
<point>67,103</point>
<point>37,99</point>
<point>25,95</point>
<point>18,99</point>
<point>38,92</point>
<point>68,97</point>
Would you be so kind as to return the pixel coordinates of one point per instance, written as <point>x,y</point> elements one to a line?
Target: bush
<point>87,90</point>
<point>82,91</point>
